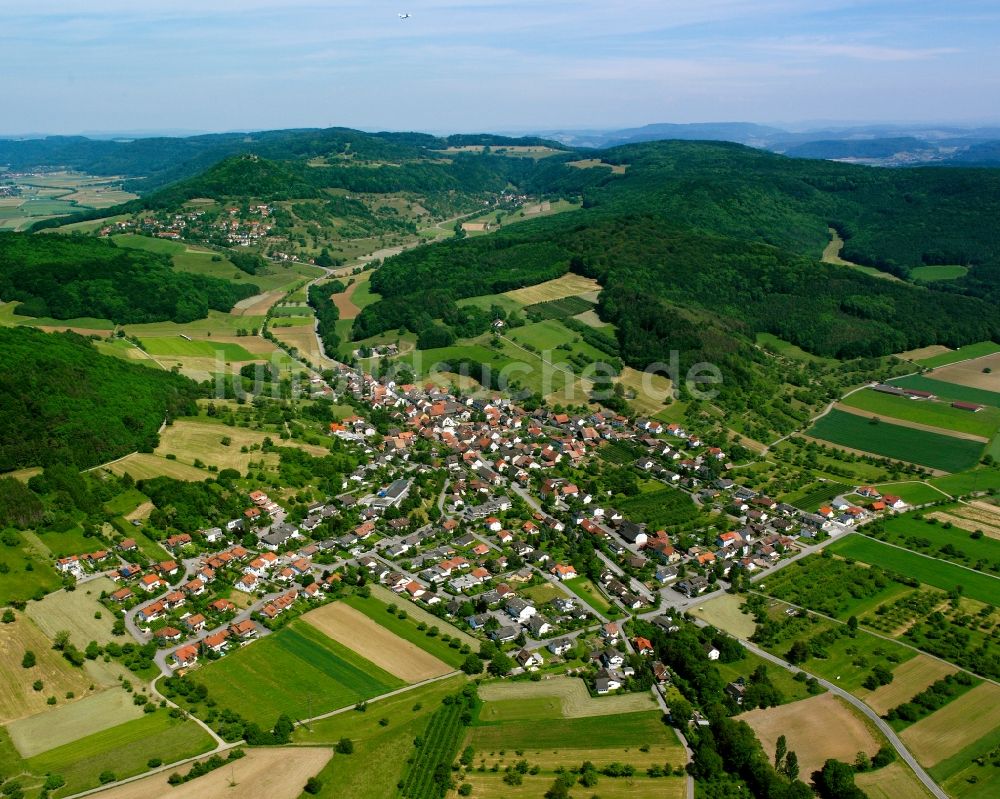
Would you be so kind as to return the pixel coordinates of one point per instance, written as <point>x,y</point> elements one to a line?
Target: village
<point>519,555</point>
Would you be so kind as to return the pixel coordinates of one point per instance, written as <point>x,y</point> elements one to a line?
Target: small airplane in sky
<point>404,16</point>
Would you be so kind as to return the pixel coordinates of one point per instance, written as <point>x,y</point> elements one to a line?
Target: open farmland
<point>277,773</point>
<point>913,492</point>
<point>806,726</point>
<point>894,781</point>
<point>969,351</point>
<point>944,533</point>
<point>565,697</point>
<point>955,726</point>
<point>937,451</point>
<point>980,373</point>
<point>122,750</point>
<point>951,391</point>
<point>74,611</point>
<point>972,772</point>
<point>408,629</point>
<point>17,698</point>
<point>145,465</point>
<point>930,571</point>
<point>929,412</point>
<point>298,671</point>
<point>375,643</point>
<point>909,679</point>
<point>380,749</point>
<point>191,439</point>
<point>67,723</point>
<point>566,286</point>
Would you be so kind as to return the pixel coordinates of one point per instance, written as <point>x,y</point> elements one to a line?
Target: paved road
<point>879,722</point>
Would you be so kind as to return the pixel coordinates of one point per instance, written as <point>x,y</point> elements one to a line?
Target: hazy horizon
<point>483,65</point>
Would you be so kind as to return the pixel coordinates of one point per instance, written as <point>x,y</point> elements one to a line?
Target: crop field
<point>560,309</point>
<point>489,785</point>
<point>486,301</point>
<point>971,773</point>
<point>122,750</point>
<point>938,272</point>
<point>977,374</point>
<point>937,451</point>
<point>216,323</point>
<point>611,731</point>
<point>932,536</point>
<point>302,338</point>
<point>185,348</point>
<point>961,354</point>
<point>565,697</point>
<point>950,391</point>
<point>929,571</point>
<point>909,679</point>
<point>955,726</point>
<point>277,773</point>
<point>17,698</point>
<point>298,671</point>
<point>20,584</point>
<point>813,496</point>
<point>566,286</point>
<point>724,613</point>
<point>974,515</point>
<point>894,781</point>
<point>375,643</point>
<point>930,412</point>
<point>191,439</point>
<point>68,723</point>
<point>806,726</point>
<point>74,611</point>
<point>144,465</point>
<point>979,479</point>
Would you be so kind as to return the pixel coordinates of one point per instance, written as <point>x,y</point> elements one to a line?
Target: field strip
<point>965,523</point>
<point>807,725</point>
<point>102,711</point>
<point>956,725</point>
<point>909,679</point>
<point>575,700</point>
<point>419,614</point>
<point>944,431</point>
<point>375,643</point>
<point>865,453</point>
<point>261,774</point>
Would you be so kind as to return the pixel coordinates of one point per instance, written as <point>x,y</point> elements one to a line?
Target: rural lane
<point>879,722</point>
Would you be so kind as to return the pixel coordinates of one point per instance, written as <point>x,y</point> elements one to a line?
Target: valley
<point>412,481</point>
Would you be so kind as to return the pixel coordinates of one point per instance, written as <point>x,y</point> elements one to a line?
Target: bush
<point>345,746</point>
<point>106,776</point>
<point>313,786</point>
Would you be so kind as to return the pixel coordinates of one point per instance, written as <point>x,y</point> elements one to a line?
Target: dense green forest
<point>700,245</point>
<point>69,276</point>
<point>64,402</point>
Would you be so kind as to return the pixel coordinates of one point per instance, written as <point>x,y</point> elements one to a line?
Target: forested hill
<point>699,238</point>
<point>64,402</point>
<point>152,163</point>
<point>70,276</point>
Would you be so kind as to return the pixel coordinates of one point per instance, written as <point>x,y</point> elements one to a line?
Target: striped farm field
<point>955,726</point>
<point>298,671</point>
<point>930,571</point>
<point>962,354</point>
<point>935,450</point>
<point>376,643</point>
<point>930,412</point>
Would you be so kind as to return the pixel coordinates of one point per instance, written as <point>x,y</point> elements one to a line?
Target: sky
<point>72,66</point>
